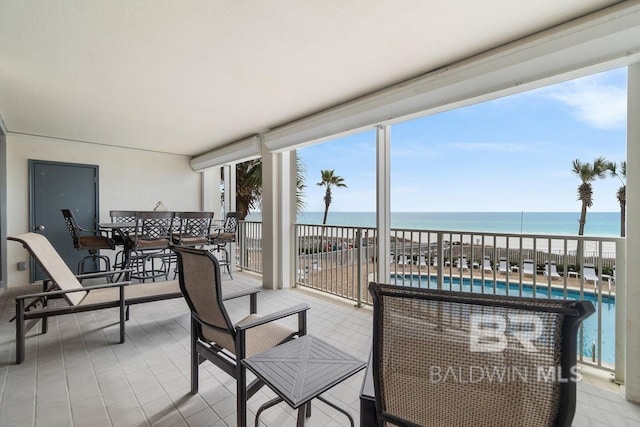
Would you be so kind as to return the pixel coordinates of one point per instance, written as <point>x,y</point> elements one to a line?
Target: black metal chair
<point>120,235</point>
<point>92,241</point>
<point>214,337</point>
<point>150,245</point>
<point>466,359</point>
<point>194,229</point>
<point>222,236</point>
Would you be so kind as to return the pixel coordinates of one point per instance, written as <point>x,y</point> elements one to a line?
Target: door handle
<point>39,228</point>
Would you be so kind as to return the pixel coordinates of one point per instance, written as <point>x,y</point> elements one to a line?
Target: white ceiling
<point>189,76</point>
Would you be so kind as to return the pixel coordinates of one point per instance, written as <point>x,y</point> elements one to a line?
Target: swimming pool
<point>589,326</point>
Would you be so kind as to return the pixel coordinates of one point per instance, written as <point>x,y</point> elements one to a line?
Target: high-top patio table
<point>301,370</point>
<point>118,227</point>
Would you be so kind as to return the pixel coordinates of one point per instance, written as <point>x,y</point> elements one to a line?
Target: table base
<point>302,413</point>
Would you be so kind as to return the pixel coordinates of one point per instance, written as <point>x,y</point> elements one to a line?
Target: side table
<point>301,370</point>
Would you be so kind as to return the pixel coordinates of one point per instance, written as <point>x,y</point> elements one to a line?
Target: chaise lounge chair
<point>589,274</point>
<point>62,283</point>
<point>422,261</point>
<point>486,264</point>
<point>503,265</point>
<point>550,270</point>
<point>403,260</point>
<point>528,267</point>
<point>462,263</point>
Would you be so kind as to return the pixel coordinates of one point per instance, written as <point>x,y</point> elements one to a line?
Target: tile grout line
<point>150,338</point>
<point>93,367</point>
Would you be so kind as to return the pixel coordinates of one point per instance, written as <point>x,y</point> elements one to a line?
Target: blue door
<point>54,186</point>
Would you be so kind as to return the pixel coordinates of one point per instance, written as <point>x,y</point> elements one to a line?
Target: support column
<point>289,217</point>
<point>211,195</point>
<point>278,217</point>
<point>632,297</point>
<point>229,172</point>
<point>383,200</point>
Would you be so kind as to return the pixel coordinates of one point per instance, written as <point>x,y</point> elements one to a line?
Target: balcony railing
<point>343,260</point>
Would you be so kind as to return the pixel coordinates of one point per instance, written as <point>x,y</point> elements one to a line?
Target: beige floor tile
<point>79,375</point>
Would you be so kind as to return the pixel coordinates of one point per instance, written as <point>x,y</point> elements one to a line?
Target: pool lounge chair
<point>403,260</point>
<point>503,265</point>
<point>486,264</point>
<point>589,274</point>
<point>528,267</point>
<point>462,263</point>
<point>422,261</point>
<point>550,270</point>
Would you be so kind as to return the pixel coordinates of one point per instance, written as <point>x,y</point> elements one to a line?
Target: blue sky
<point>510,154</point>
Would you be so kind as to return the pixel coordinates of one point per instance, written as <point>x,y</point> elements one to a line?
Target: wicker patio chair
<point>461,359</point>
<point>214,337</point>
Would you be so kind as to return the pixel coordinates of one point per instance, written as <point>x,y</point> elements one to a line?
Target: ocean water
<point>564,223</point>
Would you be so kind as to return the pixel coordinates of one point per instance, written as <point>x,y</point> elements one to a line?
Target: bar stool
<point>92,242</point>
<point>150,244</point>
<point>120,235</point>
<point>223,235</point>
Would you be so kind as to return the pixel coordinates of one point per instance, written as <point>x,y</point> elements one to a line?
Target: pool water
<point>589,333</point>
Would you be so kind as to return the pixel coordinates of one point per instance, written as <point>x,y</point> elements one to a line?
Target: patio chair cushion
<point>264,337</point>
<point>189,241</point>
<point>133,292</point>
<point>224,237</point>
<point>52,264</point>
<point>95,242</point>
<point>142,243</point>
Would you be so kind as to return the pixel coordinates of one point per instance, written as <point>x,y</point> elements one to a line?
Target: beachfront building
<point>162,98</point>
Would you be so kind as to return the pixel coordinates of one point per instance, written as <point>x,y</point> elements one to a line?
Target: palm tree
<point>249,185</point>
<point>621,194</point>
<point>587,173</point>
<point>329,180</point>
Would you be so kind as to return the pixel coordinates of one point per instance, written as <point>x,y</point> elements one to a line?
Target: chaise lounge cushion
<point>134,292</point>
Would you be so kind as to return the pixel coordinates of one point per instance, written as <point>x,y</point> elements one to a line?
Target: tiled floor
<point>77,374</point>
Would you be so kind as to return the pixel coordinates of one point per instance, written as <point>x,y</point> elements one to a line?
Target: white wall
<point>129,179</point>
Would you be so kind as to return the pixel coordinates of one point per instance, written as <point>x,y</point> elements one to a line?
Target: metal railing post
<point>359,266</point>
<point>621,311</point>
<point>440,259</point>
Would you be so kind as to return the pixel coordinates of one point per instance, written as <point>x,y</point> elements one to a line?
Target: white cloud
<point>594,101</point>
